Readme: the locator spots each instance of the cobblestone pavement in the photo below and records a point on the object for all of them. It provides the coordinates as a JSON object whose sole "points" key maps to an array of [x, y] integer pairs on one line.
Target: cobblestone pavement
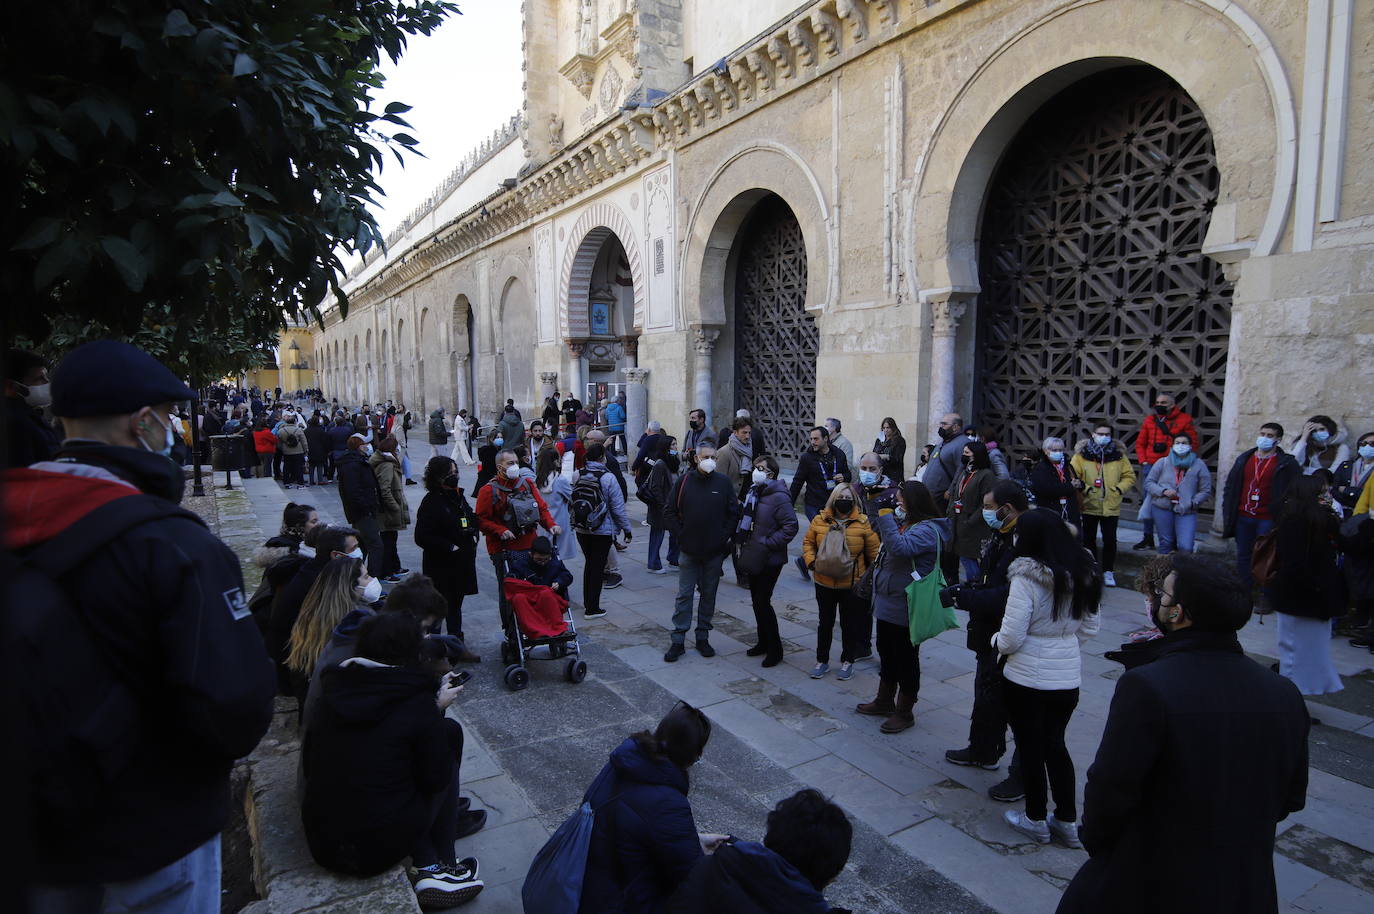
{"points": [[927, 836]]}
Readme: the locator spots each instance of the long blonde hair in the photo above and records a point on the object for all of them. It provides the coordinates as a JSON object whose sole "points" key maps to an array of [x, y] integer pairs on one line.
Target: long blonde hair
{"points": [[331, 597]]}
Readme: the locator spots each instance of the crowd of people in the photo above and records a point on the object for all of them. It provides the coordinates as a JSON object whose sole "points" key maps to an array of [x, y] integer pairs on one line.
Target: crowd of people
{"points": [[374, 652]]}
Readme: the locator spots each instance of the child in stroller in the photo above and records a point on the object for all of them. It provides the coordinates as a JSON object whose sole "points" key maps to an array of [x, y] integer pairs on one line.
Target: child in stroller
{"points": [[534, 591]]}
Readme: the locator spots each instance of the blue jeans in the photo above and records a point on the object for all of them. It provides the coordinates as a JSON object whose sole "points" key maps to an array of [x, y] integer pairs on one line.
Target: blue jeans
{"points": [[1176, 531], [697, 573], [186, 886], [656, 543], [1249, 529], [970, 567]]}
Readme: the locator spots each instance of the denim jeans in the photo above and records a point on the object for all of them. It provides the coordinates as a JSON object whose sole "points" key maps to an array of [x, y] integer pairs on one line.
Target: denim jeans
{"points": [[656, 543], [186, 886], [697, 573], [970, 568], [1175, 531], [1249, 529]]}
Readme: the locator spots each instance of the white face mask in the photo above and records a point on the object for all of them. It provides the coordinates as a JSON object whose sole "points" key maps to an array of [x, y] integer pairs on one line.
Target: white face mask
{"points": [[512, 471], [39, 396], [760, 476], [707, 465], [372, 592], [357, 553]]}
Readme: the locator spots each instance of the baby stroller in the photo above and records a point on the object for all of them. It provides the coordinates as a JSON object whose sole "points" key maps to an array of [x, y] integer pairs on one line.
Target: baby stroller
{"points": [[525, 632]]}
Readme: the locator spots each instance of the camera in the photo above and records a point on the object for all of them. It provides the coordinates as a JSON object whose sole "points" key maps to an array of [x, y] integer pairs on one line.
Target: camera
{"points": [[949, 597]]}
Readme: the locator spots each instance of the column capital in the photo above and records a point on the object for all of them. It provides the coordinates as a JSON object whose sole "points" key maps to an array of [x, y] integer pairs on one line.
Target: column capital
{"points": [[576, 347], [462, 357], [948, 305], [705, 337], [630, 344], [548, 377], [636, 375]]}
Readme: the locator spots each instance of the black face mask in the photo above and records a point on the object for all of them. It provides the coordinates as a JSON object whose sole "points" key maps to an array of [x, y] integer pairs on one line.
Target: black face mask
{"points": [[843, 506], [946, 434], [1161, 410], [694, 423], [451, 482]]}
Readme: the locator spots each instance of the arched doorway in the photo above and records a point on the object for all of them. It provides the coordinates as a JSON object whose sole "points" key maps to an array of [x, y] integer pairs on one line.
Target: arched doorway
{"points": [[775, 338], [515, 346], [1095, 292], [601, 319]]}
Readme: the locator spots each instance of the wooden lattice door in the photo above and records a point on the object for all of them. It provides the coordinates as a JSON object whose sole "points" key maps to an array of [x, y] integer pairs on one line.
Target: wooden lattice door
{"points": [[1095, 292], [776, 339]]}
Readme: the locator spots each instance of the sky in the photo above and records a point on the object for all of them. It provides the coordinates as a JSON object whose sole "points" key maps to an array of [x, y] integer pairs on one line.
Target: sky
{"points": [[463, 82]]}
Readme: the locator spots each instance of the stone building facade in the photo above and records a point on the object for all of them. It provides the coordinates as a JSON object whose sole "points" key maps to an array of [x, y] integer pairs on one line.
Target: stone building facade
{"points": [[1036, 212]]}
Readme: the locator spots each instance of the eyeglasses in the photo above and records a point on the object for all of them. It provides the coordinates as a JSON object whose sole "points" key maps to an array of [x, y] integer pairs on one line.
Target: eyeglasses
{"points": [[1162, 593]]}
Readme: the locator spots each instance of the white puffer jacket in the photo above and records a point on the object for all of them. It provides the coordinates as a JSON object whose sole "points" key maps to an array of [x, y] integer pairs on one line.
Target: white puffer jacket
{"points": [[1042, 652]]}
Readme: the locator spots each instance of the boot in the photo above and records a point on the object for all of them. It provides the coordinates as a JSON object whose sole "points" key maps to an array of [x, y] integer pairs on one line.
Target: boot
{"points": [[882, 704], [902, 718], [1147, 543]]}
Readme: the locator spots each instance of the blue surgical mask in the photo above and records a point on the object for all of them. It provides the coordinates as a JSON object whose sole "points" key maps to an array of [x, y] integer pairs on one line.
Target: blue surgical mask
{"points": [[499, 441], [900, 513], [1102, 440], [868, 477], [1264, 442], [990, 517], [672, 453], [1367, 451], [166, 449], [1321, 436], [1182, 449], [1057, 456]]}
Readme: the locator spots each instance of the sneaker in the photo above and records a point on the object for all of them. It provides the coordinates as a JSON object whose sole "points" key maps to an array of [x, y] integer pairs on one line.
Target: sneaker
{"points": [[392, 579], [863, 657], [704, 648], [1037, 831], [1007, 791], [410, 482], [612, 582], [658, 571], [820, 670], [442, 886], [1108, 579], [644, 523], [593, 613], [801, 566], [675, 651], [1065, 832], [966, 758], [1147, 543], [402, 571], [846, 670]]}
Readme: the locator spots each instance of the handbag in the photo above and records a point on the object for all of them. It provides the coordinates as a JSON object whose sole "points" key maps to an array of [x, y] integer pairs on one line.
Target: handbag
{"points": [[1264, 559], [926, 616], [753, 556], [863, 588], [553, 884]]}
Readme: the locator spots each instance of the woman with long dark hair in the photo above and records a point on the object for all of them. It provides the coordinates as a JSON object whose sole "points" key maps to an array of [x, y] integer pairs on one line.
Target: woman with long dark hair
{"points": [[912, 536], [974, 479], [644, 841], [1308, 589], [1052, 604], [659, 486], [890, 447], [446, 532]]}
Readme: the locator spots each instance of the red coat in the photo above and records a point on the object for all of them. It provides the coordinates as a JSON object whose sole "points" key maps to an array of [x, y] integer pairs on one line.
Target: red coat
{"points": [[264, 442], [491, 518], [1157, 435]]}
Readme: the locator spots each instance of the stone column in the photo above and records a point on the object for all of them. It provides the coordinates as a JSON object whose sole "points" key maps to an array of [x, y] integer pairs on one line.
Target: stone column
{"points": [[705, 341], [636, 403], [548, 383], [575, 372], [463, 384], [947, 307]]}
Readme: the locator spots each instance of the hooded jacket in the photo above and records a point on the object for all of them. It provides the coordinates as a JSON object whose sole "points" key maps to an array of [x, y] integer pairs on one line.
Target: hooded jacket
{"points": [[1042, 652], [644, 840], [391, 487], [1107, 476], [376, 754], [165, 606], [745, 877], [1330, 457], [358, 488]]}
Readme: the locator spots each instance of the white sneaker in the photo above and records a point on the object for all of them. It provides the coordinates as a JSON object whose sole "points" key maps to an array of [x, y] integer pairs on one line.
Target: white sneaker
{"points": [[446, 886], [1065, 832], [1037, 831], [658, 571], [1108, 579], [820, 670]]}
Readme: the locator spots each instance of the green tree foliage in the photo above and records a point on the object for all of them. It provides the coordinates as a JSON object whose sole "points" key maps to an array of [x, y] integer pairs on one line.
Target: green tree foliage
{"points": [[189, 170]]}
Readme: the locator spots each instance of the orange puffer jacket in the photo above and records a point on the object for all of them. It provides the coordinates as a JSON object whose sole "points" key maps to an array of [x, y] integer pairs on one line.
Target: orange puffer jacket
{"points": [[859, 536]]}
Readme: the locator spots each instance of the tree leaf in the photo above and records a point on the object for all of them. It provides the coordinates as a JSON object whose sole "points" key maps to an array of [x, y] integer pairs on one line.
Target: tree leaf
{"points": [[177, 25], [225, 198], [132, 266], [397, 108], [40, 233], [244, 65]]}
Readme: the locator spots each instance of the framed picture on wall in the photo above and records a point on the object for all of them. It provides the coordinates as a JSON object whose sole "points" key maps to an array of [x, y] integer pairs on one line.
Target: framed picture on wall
{"points": [[601, 318]]}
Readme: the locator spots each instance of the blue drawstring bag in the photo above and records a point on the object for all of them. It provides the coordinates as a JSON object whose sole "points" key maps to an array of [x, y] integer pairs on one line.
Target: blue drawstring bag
{"points": [[554, 883]]}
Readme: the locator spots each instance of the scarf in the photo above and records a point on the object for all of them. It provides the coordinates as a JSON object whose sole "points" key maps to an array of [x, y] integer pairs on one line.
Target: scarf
{"points": [[1100, 453], [1182, 462], [746, 451]]}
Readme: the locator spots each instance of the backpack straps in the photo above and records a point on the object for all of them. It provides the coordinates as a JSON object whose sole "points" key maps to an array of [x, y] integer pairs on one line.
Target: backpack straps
{"points": [[97, 529]]}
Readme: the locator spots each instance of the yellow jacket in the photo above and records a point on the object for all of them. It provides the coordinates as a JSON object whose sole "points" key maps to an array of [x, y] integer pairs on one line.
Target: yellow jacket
{"points": [[1366, 502], [1117, 477], [861, 539]]}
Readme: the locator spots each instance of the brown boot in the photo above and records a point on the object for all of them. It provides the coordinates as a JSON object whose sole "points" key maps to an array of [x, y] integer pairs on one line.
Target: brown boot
{"points": [[902, 718], [882, 704]]}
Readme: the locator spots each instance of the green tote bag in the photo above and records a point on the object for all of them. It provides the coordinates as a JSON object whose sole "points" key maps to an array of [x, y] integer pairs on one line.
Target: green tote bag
{"points": [[925, 615]]}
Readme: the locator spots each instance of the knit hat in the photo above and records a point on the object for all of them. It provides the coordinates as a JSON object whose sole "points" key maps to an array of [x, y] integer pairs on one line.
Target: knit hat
{"points": [[111, 378]]}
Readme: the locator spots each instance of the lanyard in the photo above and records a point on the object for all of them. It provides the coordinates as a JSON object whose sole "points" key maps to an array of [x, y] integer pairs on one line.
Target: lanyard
{"points": [[1258, 482]]}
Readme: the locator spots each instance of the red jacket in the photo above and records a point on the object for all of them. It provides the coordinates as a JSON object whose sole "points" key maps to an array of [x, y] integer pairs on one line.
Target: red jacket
{"points": [[491, 518], [1157, 435], [264, 442]]}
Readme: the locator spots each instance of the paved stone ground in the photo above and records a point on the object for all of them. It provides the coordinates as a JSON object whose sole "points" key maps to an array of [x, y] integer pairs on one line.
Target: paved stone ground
{"points": [[927, 836]]}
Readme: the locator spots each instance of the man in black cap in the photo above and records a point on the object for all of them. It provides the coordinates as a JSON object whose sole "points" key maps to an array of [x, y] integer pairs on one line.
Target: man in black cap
{"points": [[177, 681], [28, 439]]}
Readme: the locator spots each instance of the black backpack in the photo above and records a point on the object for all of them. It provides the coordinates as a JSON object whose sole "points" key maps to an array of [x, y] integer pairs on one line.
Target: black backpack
{"points": [[81, 724], [438, 432], [588, 504], [289, 437]]}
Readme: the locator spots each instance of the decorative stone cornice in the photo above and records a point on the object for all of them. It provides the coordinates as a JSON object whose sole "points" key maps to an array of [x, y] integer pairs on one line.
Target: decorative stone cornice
{"points": [[581, 72]]}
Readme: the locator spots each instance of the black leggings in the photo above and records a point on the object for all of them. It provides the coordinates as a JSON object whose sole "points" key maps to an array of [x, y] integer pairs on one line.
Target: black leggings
{"points": [[391, 559], [1108, 524], [1038, 720], [853, 623], [595, 547], [900, 660], [765, 619]]}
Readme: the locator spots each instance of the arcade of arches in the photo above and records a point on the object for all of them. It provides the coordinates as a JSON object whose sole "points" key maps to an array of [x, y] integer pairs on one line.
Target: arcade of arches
{"points": [[854, 218]]}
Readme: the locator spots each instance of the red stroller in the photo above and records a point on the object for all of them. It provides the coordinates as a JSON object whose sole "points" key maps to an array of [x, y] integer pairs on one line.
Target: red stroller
{"points": [[531, 619]]}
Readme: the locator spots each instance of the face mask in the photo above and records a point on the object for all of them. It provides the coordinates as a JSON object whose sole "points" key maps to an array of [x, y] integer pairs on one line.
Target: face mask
{"points": [[451, 482], [759, 476], [868, 477], [899, 512], [843, 506], [1102, 440], [1056, 456], [1264, 443], [1367, 451], [707, 465], [1161, 410], [357, 553], [307, 551], [166, 449], [498, 442], [694, 423], [38, 395], [512, 471], [1321, 436], [1182, 449], [372, 592], [991, 519], [673, 453], [968, 461]]}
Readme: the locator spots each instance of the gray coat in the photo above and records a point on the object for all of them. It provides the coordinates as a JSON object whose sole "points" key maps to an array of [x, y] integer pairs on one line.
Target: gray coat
{"points": [[1193, 491], [944, 463], [904, 551]]}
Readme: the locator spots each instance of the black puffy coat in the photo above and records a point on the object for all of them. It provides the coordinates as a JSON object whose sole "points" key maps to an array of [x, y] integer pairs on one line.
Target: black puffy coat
{"points": [[1204, 753], [985, 600], [1048, 489], [358, 487], [444, 520], [744, 877], [1308, 581], [775, 520]]}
